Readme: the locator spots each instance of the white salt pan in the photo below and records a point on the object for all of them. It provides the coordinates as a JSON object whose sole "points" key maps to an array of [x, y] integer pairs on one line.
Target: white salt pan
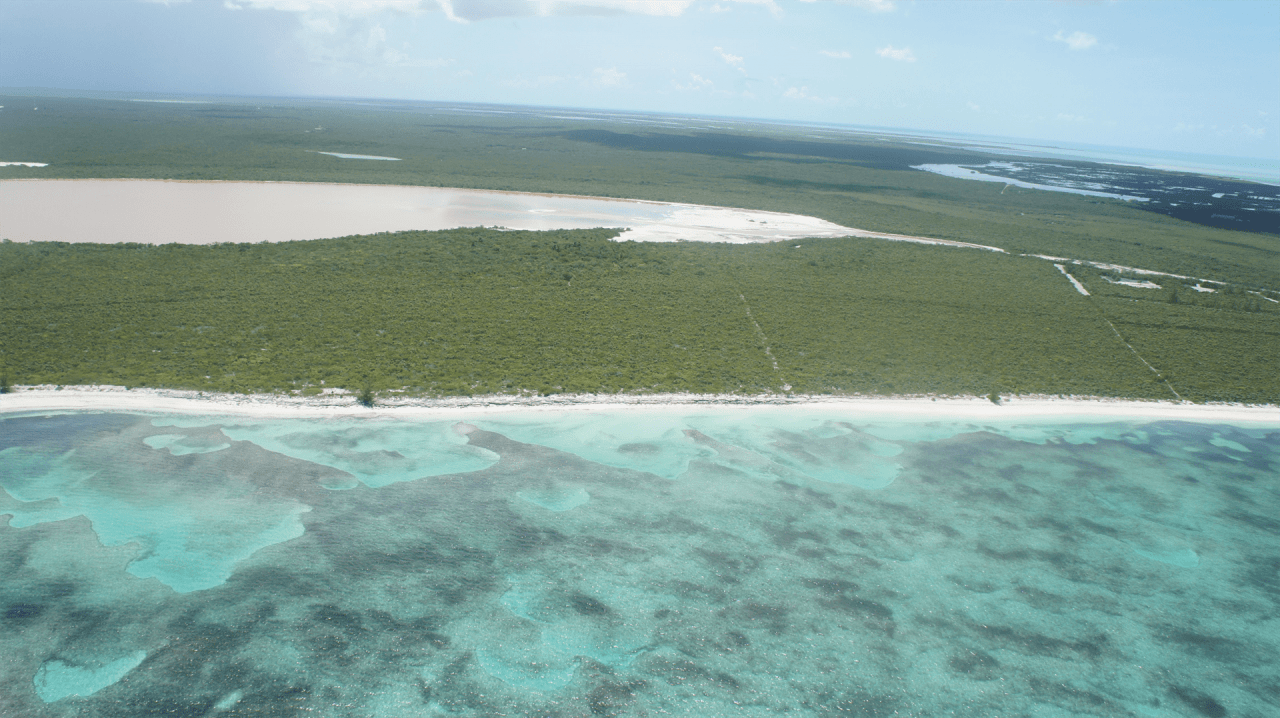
{"points": [[346, 156], [162, 212], [1144, 284]]}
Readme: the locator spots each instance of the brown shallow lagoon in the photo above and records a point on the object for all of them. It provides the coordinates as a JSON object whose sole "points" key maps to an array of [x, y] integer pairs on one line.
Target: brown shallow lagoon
{"points": [[163, 212]]}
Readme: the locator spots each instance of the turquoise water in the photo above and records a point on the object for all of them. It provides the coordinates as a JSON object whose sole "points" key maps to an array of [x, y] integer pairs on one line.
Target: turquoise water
{"points": [[736, 561]]}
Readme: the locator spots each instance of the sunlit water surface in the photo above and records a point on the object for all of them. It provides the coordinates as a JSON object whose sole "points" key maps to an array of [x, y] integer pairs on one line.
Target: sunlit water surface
{"points": [[731, 562]]}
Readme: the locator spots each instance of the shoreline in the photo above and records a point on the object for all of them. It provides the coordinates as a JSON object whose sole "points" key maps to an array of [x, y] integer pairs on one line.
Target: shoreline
{"points": [[49, 399]]}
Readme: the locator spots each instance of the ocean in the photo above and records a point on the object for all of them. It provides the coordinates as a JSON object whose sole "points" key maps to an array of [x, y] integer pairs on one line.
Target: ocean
{"points": [[708, 561]]}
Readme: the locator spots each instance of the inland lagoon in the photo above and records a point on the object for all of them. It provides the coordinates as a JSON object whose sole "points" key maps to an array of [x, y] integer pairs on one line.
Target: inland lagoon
{"points": [[665, 560], [164, 212]]}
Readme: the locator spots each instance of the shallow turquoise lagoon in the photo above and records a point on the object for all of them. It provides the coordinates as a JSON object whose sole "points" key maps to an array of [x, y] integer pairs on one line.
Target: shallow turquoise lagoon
{"points": [[737, 561]]}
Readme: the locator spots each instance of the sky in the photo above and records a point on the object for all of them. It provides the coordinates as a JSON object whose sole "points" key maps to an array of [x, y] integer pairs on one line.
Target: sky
{"points": [[1198, 77]]}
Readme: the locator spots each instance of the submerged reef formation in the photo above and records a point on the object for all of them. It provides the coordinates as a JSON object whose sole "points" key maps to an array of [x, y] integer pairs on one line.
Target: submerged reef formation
{"points": [[747, 562]]}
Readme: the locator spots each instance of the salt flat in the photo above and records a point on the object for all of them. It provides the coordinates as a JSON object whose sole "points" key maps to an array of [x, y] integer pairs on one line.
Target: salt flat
{"points": [[163, 212]]}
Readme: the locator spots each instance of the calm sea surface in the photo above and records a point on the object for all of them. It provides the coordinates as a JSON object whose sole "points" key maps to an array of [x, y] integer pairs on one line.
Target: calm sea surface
{"points": [[737, 561]]}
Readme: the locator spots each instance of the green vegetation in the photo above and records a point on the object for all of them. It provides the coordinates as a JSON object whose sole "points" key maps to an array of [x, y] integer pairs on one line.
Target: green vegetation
{"points": [[482, 311], [862, 181], [478, 311]]}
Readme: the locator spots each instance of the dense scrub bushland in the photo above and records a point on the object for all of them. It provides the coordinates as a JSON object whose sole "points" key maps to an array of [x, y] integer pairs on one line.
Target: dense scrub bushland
{"points": [[860, 181], [477, 311]]}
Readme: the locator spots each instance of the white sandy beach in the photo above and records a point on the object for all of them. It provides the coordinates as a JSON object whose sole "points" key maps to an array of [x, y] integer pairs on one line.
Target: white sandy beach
{"points": [[25, 400]]}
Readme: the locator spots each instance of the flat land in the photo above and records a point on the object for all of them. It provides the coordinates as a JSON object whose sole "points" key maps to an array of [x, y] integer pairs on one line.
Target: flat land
{"points": [[474, 311], [164, 212]]}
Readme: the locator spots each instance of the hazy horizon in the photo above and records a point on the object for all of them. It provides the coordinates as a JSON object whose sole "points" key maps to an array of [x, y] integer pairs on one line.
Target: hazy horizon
{"points": [[1191, 77]]}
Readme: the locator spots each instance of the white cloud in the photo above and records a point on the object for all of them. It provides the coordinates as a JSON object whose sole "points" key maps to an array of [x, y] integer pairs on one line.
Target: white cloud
{"points": [[471, 10], [974, 106], [696, 82], [900, 54], [1077, 40], [666, 8], [1255, 131], [166, 2], [340, 7], [837, 54], [605, 77], [356, 42], [733, 60], [802, 93], [770, 5], [872, 5], [1066, 117]]}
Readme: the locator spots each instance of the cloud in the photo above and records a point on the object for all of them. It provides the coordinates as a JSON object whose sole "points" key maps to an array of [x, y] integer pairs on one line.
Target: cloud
{"points": [[872, 5], [974, 106], [734, 61], [900, 54], [1077, 40], [802, 93], [696, 82], [474, 10], [1066, 117], [356, 42], [340, 7], [837, 54], [770, 5], [602, 78], [166, 2]]}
